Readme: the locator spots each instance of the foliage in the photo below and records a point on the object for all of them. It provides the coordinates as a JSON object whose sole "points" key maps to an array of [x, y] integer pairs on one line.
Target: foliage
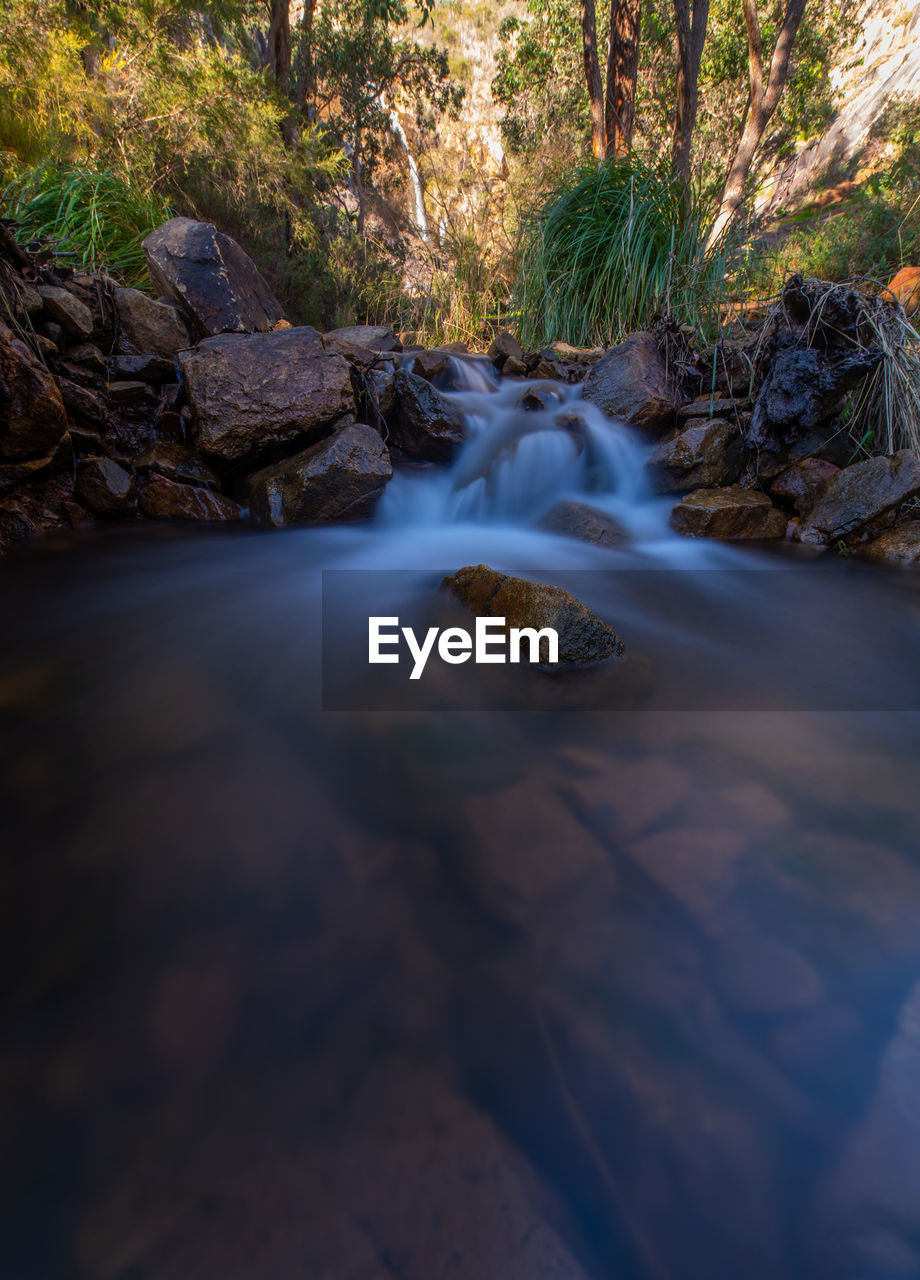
{"points": [[98, 216], [541, 79], [872, 233], [361, 62], [611, 247]]}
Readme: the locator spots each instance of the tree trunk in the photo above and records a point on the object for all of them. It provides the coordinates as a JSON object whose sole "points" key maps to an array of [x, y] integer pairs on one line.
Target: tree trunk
{"points": [[279, 43], [593, 79], [691, 37], [306, 86], [622, 72], [762, 102]]}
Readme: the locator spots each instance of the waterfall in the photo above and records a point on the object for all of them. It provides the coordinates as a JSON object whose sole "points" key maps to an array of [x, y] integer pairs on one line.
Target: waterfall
{"points": [[419, 216]]}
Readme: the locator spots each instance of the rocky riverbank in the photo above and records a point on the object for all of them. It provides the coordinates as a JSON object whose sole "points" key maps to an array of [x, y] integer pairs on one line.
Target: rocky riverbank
{"points": [[205, 404]]}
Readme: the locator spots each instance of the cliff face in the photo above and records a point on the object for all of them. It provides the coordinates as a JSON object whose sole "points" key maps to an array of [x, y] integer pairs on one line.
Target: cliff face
{"points": [[881, 67]]}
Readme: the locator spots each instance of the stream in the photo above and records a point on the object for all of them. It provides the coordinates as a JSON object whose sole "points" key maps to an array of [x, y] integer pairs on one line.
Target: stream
{"points": [[313, 975]]}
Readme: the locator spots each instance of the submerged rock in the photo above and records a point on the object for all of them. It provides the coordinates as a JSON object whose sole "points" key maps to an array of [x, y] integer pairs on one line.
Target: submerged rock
{"points": [[631, 382], [704, 455], [249, 392], [900, 546], [860, 494], [32, 416], [587, 524], [424, 426], [584, 638], [216, 284], [340, 478], [147, 328], [731, 513]]}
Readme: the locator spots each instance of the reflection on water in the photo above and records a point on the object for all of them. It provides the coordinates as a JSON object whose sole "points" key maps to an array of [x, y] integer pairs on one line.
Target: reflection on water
{"points": [[469, 995]]}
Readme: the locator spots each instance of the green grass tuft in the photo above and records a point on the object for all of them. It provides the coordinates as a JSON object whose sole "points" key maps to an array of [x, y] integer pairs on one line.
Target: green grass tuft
{"points": [[99, 216], [610, 248]]}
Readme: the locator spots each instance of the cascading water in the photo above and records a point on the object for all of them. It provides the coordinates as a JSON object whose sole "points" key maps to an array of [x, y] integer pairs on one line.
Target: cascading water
{"points": [[530, 445]]}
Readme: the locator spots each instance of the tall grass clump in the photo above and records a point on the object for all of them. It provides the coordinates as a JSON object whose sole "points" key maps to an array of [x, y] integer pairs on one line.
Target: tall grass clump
{"points": [[97, 216], [610, 247]]}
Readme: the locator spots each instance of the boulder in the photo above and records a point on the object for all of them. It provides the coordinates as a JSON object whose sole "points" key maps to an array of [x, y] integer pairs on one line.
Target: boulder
{"points": [[215, 283], [105, 488], [801, 482], [584, 638], [86, 353], [148, 367], [505, 347], [430, 364], [704, 455], [163, 499], [340, 478], [900, 546], [32, 416], [424, 426], [81, 401], [631, 382], [731, 513], [29, 299], [177, 462], [587, 524], [126, 392], [708, 407], [250, 392], [68, 311], [147, 327], [860, 494], [375, 337], [804, 389], [905, 286]]}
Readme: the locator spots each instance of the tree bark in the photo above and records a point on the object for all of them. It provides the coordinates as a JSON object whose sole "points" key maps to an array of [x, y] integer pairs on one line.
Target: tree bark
{"points": [[593, 79], [691, 37], [279, 43], [622, 72], [306, 87], [762, 102]]}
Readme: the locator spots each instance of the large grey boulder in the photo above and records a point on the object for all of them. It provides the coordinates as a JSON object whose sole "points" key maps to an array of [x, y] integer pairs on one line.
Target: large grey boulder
{"points": [[340, 478], [217, 285], [147, 328], [425, 426], [857, 495], [251, 392], [631, 382]]}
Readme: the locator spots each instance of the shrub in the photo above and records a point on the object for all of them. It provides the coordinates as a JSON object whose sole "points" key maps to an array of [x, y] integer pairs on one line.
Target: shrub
{"points": [[98, 216], [609, 248]]}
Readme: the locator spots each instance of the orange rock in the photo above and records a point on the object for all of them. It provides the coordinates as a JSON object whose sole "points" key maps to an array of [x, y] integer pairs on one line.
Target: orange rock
{"points": [[906, 288]]}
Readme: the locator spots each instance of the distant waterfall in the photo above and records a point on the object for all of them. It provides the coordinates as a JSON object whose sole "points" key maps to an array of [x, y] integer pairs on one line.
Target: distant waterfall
{"points": [[419, 215]]}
